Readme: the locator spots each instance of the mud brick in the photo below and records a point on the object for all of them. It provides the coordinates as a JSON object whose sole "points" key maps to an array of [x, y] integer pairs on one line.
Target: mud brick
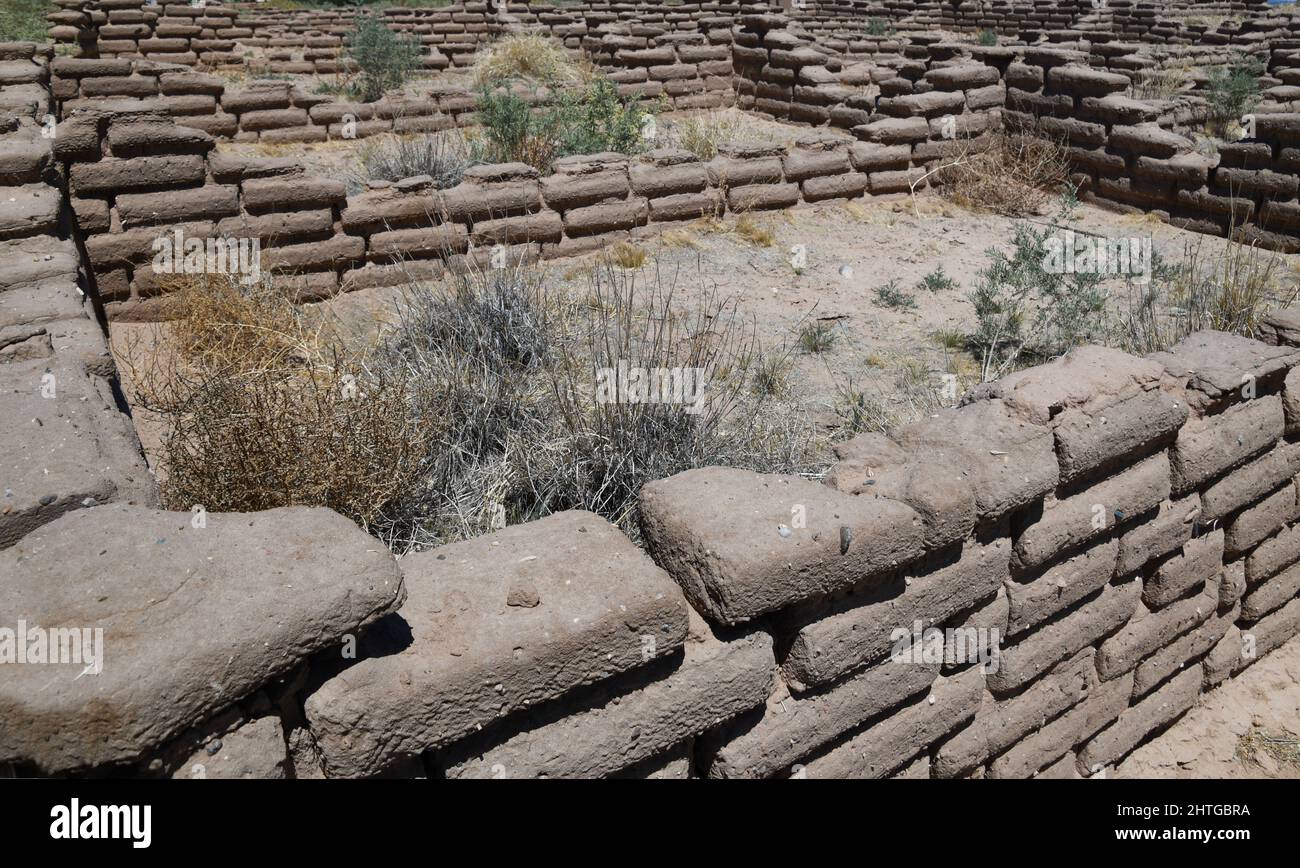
{"points": [[398, 244], [139, 86], [1043, 648], [402, 273], [888, 744], [1137, 722], [145, 138], [540, 227], [1074, 132], [273, 119], [255, 100], [1009, 463], [92, 215], [318, 256], [869, 157], [801, 164], [1036, 597], [655, 181], [1206, 448], [1232, 584], [1166, 530], [991, 97], [894, 131], [1085, 81], [947, 505], [186, 83], [1190, 170], [1250, 482], [962, 76], [1262, 182], [836, 637], [285, 227], [626, 724], [924, 105], [1149, 631], [612, 216], [791, 728], [87, 67], [1069, 522], [1220, 369], [1118, 109], [896, 182], [296, 193], [1103, 405], [220, 125], [1224, 657], [1000, 724], [753, 568], [1270, 594], [126, 248], [1291, 400], [112, 175], [762, 197], [563, 191], [730, 172], [212, 201], [1268, 633], [1054, 740], [988, 623], [1256, 523], [1097, 160], [227, 168], [472, 201], [1239, 208], [847, 186], [1200, 560], [918, 769], [1036, 105], [1024, 77], [1151, 141], [1176, 655], [1274, 553], [470, 659], [686, 206]]}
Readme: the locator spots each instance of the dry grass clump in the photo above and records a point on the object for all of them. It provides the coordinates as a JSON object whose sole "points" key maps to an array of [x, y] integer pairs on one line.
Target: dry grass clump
{"points": [[760, 233], [702, 133], [1014, 177], [531, 57], [263, 407], [625, 254], [1163, 82], [492, 400], [1218, 284], [443, 156]]}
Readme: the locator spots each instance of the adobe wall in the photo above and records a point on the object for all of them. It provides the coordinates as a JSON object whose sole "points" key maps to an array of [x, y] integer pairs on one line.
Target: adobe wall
{"points": [[1107, 537]]}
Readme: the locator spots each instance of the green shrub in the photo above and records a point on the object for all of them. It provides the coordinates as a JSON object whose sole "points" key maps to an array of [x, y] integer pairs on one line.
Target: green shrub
{"points": [[879, 27], [387, 58], [936, 281], [23, 20], [988, 37], [1023, 311], [1234, 90], [892, 295], [586, 121]]}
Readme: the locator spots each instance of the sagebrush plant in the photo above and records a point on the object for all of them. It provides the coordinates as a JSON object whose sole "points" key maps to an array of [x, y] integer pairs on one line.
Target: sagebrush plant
{"points": [[443, 156], [702, 133], [987, 37], [581, 120], [386, 58], [1024, 312], [1232, 91], [478, 407], [936, 281]]}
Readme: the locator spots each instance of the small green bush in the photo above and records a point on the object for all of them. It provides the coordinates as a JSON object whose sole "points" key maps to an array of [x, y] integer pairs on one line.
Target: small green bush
{"points": [[892, 295], [442, 156], [586, 121], [387, 59], [1234, 90]]}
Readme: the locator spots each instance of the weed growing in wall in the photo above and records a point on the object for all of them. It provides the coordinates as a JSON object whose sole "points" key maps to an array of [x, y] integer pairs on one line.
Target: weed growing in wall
{"points": [[387, 58]]}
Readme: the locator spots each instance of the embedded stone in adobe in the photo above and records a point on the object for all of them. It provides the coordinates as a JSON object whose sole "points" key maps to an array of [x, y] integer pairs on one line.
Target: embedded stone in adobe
{"points": [[193, 619], [742, 544], [604, 608]]}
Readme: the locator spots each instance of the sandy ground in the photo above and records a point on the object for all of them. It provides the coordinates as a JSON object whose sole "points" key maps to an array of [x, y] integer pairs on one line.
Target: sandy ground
{"points": [[1261, 703]]}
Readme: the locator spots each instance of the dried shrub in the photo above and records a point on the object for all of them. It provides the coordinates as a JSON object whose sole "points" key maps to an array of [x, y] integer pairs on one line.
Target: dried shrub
{"points": [[531, 57], [1014, 177], [262, 407]]}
